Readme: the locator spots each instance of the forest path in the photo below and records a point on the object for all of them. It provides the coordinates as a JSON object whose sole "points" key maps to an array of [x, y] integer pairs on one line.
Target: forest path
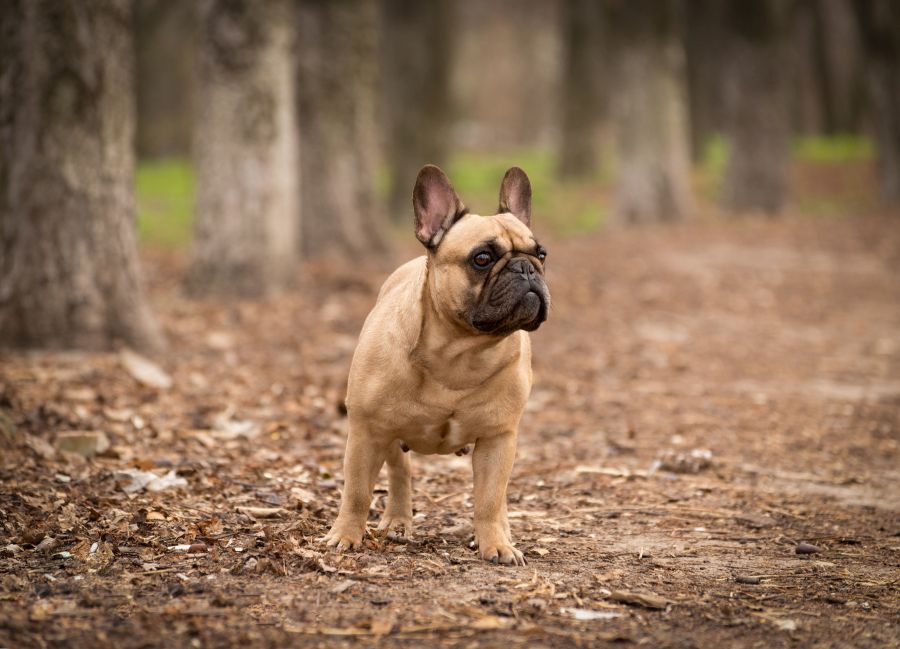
{"points": [[708, 397]]}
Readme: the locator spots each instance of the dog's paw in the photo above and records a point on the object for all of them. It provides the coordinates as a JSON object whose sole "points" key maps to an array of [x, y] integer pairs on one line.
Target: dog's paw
{"points": [[503, 553], [343, 537], [399, 524]]}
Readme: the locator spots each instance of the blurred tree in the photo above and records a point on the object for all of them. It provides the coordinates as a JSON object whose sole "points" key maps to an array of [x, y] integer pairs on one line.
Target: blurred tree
{"points": [[824, 59], [337, 95], [649, 111], [165, 52], [839, 65], [584, 79], [704, 38], [416, 52], [757, 125], [506, 74], [69, 273], [879, 23], [245, 149]]}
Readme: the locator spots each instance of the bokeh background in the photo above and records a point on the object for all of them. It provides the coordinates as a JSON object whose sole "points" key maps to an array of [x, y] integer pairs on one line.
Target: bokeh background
{"points": [[251, 136], [200, 199]]}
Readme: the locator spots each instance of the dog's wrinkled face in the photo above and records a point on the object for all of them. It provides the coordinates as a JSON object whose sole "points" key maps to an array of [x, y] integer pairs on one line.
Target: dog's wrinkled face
{"points": [[486, 273]]}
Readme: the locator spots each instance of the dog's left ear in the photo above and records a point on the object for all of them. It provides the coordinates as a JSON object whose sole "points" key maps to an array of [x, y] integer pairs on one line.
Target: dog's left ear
{"points": [[515, 195]]}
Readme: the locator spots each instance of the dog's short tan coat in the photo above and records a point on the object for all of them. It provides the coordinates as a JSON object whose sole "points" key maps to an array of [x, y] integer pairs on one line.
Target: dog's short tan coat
{"points": [[423, 378]]}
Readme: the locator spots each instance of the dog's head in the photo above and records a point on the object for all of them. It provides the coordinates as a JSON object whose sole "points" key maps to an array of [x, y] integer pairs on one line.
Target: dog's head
{"points": [[485, 273]]}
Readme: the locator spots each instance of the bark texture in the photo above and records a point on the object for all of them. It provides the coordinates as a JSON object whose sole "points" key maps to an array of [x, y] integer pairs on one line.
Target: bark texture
{"points": [[165, 34], [704, 39], [245, 149], [879, 22], [69, 275], [757, 125], [649, 111], [416, 54], [584, 76], [337, 93], [825, 58]]}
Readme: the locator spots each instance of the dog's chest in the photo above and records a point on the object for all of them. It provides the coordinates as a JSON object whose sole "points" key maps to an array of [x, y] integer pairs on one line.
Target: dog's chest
{"points": [[446, 437]]}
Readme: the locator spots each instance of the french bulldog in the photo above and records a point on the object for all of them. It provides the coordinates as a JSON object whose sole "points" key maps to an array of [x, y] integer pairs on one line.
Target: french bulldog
{"points": [[444, 361]]}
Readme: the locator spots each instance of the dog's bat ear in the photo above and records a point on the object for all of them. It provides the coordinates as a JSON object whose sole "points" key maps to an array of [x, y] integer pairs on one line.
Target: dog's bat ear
{"points": [[515, 195], [436, 205]]}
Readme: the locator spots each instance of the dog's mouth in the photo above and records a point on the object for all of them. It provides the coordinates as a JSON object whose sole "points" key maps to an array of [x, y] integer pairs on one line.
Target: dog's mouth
{"points": [[535, 301], [528, 313]]}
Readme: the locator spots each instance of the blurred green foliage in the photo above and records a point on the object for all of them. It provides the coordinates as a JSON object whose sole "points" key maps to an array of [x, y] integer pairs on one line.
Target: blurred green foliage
{"points": [[165, 188], [564, 208], [812, 153], [833, 149], [165, 203]]}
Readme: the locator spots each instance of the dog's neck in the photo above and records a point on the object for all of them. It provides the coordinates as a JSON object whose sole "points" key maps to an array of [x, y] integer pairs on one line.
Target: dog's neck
{"points": [[455, 356]]}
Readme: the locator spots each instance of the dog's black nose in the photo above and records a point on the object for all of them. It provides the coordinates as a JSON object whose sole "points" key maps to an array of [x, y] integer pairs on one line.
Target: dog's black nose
{"points": [[522, 266]]}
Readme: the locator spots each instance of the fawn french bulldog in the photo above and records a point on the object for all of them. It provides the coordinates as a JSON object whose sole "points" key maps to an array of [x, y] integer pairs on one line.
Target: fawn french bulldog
{"points": [[444, 361]]}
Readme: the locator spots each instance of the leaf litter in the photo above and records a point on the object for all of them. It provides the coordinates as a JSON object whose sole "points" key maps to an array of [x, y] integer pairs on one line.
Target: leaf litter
{"points": [[244, 436]]}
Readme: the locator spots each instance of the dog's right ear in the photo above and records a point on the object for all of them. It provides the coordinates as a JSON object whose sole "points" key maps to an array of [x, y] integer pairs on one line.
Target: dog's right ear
{"points": [[436, 206]]}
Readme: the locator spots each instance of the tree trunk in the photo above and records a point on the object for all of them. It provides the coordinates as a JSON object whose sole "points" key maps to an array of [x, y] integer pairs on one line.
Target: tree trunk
{"points": [[649, 111], [702, 36], [165, 31], [584, 76], [337, 80], [757, 124], [879, 22], [824, 53], [416, 53], [245, 149], [69, 275]]}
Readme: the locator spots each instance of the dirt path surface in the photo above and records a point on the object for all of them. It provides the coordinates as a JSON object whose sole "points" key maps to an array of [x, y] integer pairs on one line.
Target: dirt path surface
{"points": [[708, 398]]}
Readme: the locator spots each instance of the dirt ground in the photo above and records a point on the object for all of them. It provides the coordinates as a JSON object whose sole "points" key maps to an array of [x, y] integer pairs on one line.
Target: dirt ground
{"points": [[708, 398]]}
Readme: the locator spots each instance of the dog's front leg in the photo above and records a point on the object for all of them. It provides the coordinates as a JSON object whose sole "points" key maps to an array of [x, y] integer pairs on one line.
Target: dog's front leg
{"points": [[362, 462], [492, 462]]}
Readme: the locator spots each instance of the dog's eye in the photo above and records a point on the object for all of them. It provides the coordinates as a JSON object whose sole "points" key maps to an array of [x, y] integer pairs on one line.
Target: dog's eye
{"points": [[482, 259], [541, 254]]}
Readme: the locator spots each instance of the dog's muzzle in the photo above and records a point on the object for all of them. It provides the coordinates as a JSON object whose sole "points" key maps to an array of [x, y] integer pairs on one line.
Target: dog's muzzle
{"points": [[519, 299]]}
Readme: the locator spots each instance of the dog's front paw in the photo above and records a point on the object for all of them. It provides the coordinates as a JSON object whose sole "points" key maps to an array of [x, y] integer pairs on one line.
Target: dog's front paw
{"points": [[344, 536], [494, 545], [400, 524], [503, 553]]}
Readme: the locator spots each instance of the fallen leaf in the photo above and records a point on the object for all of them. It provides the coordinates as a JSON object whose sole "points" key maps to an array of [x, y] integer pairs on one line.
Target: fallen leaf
{"points": [[79, 394], [648, 600], [489, 622], [806, 548], [144, 371], [383, 625], [263, 512], [344, 586], [586, 614], [134, 480], [84, 443], [120, 415], [692, 462], [40, 446]]}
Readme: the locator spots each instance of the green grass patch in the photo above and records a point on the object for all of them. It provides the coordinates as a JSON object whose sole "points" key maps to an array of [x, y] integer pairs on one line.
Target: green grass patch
{"points": [[165, 203], [833, 149], [561, 207]]}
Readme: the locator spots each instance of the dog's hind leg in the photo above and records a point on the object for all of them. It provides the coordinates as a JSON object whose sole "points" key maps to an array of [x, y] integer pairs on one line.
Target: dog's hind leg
{"points": [[398, 511]]}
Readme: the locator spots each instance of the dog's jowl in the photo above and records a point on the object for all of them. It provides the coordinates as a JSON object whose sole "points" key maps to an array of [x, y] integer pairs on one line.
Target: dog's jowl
{"points": [[444, 360]]}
